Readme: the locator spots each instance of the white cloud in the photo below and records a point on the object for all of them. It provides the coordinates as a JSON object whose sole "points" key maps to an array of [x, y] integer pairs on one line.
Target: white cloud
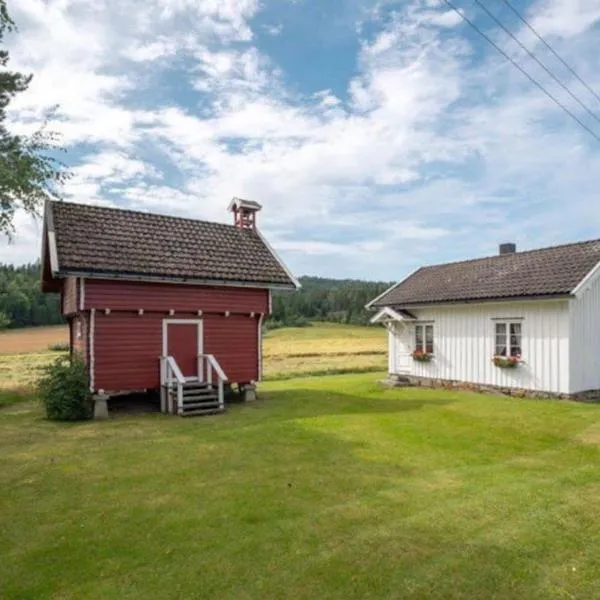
{"points": [[438, 150], [150, 51], [565, 18], [274, 30]]}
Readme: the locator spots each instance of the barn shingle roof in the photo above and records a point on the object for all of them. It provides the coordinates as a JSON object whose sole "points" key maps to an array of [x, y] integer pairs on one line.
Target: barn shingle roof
{"points": [[100, 240], [547, 272]]}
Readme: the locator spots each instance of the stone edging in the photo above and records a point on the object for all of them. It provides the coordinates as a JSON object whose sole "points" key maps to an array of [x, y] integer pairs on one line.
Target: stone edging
{"points": [[395, 380]]}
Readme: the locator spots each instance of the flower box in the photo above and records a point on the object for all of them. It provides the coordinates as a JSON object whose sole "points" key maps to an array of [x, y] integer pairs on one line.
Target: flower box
{"points": [[507, 362], [420, 356]]}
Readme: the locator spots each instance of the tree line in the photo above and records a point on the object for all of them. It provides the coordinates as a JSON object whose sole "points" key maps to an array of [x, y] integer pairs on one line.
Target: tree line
{"points": [[22, 303], [321, 299]]}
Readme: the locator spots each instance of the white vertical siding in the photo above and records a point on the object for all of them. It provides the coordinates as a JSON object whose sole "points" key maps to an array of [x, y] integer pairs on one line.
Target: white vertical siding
{"points": [[391, 349], [464, 344], [585, 338]]}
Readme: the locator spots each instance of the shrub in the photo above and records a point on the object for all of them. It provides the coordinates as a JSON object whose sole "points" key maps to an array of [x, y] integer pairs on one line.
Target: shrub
{"points": [[292, 321], [271, 324], [60, 347], [64, 391], [298, 321]]}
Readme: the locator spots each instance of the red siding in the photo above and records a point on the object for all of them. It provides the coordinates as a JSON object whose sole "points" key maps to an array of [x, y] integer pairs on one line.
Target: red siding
{"points": [[234, 342], [127, 347], [69, 295], [126, 351], [128, 295]]}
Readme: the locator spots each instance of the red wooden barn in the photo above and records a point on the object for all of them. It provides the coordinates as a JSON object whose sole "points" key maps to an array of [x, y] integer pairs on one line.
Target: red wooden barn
{"points": [[155, 301]]}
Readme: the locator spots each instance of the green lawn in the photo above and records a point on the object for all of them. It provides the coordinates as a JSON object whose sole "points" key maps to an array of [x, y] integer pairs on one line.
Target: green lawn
{"points": [[324, 488]]}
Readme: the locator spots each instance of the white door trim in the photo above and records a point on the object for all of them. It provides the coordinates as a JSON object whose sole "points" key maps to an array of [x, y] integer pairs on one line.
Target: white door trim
{"points": [[167, 322]]}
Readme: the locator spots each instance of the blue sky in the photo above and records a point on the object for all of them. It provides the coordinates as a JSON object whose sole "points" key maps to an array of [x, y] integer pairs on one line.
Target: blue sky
{"points": [[378, 135]]}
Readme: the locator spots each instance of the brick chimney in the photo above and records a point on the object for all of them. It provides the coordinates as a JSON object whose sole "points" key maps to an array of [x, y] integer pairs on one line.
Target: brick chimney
{"points": [[244, 212], [508, 248]]}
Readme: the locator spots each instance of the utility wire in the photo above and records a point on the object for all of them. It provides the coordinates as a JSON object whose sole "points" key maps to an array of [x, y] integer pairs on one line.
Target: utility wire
{"points": [[556, 54], [537, 60], [519, 68]]}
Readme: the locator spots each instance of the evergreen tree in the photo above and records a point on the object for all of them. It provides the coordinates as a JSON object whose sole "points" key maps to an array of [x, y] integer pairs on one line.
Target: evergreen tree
{"points": [[21, 300]]}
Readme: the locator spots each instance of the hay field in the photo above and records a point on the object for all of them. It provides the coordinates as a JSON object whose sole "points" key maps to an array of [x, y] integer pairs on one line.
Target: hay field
{"points": [[33, 339], [324, 348]]}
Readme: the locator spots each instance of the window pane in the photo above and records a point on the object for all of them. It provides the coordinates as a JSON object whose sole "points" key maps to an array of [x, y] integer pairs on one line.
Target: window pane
{"points": [[515, 339], [501, 345], [419, 337], [429, 339]]}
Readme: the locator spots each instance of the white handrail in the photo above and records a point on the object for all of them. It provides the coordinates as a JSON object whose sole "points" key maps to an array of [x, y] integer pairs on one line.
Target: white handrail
{"points": [[169, 369], [170, 374], [176, 370], [212, 364]]}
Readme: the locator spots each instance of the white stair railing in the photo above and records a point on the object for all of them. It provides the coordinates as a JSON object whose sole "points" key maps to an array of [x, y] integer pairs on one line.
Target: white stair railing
{"points": [[170, 374], [210, 368]]}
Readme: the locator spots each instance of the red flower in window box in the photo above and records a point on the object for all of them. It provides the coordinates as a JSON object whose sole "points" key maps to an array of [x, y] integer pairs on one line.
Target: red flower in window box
{"points": [[421, 356], [507, 362]]}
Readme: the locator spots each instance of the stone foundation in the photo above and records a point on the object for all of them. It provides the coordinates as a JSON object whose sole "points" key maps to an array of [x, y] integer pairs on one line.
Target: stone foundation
{"points": [[248, 392], [100, 406], [396, 380]]}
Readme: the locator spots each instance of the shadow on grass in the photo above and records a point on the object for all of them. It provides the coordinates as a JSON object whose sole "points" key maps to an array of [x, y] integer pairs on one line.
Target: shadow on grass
{"points": [[134, 404], [307, 403]]}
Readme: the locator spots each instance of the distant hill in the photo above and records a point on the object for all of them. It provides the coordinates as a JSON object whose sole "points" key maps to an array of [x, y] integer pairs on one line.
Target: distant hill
{"points": [[338, 300], [335, 300]]}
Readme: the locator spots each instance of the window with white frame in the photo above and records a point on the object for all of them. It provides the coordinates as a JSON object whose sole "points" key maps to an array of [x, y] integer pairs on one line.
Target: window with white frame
{"points": [[508, 338], [78, 334], [424, 338]]}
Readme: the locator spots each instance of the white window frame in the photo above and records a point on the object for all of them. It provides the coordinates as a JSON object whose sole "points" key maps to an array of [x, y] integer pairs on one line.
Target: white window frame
{"points": [[425, 327], [508, 323]]}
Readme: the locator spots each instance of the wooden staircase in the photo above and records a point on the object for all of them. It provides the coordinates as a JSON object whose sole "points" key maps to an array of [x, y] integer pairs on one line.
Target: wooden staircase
{"points": [[190, 396], [199, 398]]}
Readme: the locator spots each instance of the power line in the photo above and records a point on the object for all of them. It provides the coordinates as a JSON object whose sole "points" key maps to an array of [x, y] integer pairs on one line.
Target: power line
{"points": [[537, 60], [556, 54], [518, 67]]}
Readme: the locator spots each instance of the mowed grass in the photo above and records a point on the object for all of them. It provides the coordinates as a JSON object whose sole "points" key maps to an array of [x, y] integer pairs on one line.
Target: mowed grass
{"points": [[324, 488], [320, 349]]}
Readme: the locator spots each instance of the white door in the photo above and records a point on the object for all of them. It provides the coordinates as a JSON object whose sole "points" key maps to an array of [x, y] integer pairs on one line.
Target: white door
{"points": [[403, 338]]}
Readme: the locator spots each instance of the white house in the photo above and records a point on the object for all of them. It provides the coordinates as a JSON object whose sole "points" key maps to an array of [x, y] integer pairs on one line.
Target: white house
{"points": [[527, 321]]}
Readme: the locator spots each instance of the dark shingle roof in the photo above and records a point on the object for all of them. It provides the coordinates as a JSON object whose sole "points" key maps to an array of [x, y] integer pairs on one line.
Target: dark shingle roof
{"points": [[545, 272], [100, 240]]}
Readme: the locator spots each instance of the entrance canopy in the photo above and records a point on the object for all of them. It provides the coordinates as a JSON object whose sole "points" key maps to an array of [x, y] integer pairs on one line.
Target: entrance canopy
{"points": [[387, 315]]}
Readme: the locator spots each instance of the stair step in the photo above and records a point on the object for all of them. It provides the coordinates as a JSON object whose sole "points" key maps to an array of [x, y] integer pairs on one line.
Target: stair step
{"points": [[195, 405], [190, 397], [209, 411], [188, 401]]}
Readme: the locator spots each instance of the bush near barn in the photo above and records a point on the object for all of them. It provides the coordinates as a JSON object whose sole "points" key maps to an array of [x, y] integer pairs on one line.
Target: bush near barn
{"points": [[63, 390]]}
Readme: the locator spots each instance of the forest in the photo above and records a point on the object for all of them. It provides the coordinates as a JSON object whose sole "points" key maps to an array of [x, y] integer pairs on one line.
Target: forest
{"points": [[22, 304]]}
